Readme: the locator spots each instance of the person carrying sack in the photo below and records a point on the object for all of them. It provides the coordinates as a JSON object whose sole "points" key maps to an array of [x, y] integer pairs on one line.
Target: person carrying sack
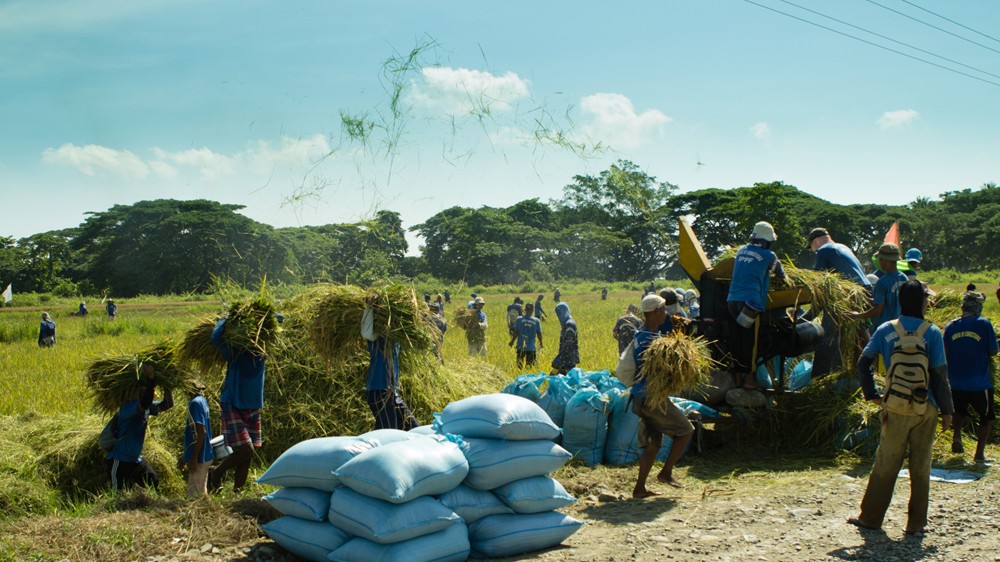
{"points": [[916, 378]]}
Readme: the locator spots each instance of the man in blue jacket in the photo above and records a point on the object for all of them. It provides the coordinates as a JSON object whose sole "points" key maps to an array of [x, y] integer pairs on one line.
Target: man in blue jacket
{"points": [[382, 383], [241, 399], [46, 331], [125, 462]]}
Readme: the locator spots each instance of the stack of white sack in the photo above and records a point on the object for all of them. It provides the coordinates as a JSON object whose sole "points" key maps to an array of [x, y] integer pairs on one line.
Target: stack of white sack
{"points": [[429, 494]]}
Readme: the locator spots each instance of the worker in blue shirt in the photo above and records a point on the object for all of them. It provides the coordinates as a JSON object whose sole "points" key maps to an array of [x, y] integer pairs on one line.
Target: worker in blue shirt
{"points": [[46, 331], [382, 382], [125, 462], [885, 294]]}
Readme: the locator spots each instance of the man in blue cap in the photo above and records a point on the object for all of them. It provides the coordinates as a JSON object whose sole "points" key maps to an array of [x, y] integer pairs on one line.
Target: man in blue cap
{"points": [[913, 257]]}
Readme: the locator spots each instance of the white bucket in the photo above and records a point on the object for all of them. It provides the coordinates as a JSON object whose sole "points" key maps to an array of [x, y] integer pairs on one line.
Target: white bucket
{"points": [[219, 447]]}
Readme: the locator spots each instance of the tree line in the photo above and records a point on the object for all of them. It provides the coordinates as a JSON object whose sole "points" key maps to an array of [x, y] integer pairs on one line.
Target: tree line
{"points": [[620, 225]]}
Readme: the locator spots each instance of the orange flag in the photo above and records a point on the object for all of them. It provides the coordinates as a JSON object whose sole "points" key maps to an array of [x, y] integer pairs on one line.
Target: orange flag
{"points": [[893, 234]]}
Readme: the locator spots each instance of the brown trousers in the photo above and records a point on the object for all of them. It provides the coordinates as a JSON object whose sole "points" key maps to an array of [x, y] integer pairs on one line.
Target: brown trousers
{"points": [[900, 432]]}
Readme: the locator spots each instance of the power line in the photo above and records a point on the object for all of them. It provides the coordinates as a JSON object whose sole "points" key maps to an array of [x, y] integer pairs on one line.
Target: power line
{"points": [[942, 30], [952, 21], [883, 47], [915, 48]]}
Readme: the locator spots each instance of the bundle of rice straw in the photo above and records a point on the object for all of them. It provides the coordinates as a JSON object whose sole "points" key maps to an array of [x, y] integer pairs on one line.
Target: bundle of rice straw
{"points": [[197, 349], [836, 296], [336, 312], [947, 298], [465, 318], [251, 325], [674, 363], [115, 379]]}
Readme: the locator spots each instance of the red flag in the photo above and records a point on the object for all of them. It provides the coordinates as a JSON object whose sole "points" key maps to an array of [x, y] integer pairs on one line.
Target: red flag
{"points": [[893, 234]]}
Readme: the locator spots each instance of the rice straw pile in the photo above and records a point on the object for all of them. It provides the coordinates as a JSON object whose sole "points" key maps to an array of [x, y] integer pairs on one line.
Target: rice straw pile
{"points": [[400, 317], [115, 379], [947, 298], [197, 349], [834, 295], [251, 326], [465, 318], [672, 364]]}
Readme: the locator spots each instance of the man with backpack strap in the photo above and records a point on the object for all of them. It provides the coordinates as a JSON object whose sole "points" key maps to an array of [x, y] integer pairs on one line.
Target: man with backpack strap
{"points": [[916, 379], [125, 463]]}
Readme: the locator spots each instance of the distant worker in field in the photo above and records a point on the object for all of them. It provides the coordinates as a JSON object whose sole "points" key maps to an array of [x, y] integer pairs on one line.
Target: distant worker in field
{"points": [[514, 311], [569, 342], [82, 310], [427, 299], [447, 296], [382, 384], [604, 293], [111, 308], [692, 304], [885, 293], [625, 327], [654, 421], [197, 455], [754, 265], [475, 335], [913, 257], [47, 331], [441, 326], [125, 462], [526, 329], [918, 386], [539, 313], [650, 289], [556, 295], [835, 258], [969, 342], [241, 400], [439, 300], [472, 302]]}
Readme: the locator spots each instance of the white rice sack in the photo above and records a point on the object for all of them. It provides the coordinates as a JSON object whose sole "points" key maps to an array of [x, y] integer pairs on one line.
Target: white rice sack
{"points": [[449, 545], [304, 503], [472, 505], [386, 436], [405, 470], [585, 428], [498, 536], [496, 416], [493, 463], [306, 539], [537, 494], [384, 522], [310, 464]]}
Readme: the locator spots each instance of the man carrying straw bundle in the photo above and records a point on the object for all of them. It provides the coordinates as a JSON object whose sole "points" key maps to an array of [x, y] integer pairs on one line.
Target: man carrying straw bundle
{"points": [[382, 383], [969, 342], [655, 422], [475, 333], [747, 299], [835, 258], [125, 463], [911, 424], [241, 399]]}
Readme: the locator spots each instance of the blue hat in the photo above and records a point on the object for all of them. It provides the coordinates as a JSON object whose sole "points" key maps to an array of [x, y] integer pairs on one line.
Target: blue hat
{"points": [[913, 254]]}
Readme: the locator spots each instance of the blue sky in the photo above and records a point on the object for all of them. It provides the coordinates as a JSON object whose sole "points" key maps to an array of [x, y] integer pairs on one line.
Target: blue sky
{"points": [[111, 102]]}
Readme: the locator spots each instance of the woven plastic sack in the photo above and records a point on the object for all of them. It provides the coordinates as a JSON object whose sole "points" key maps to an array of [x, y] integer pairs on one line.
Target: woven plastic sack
{"points": [[386, 436], [309, 540], [385, 522], [449, 545], [622, 445], [304, 503], [310, 464], [537, 494], [688, 406], [423, 430], [471, 504], [498, 536], [493, 463], [496, 416], [553, 401], [585, 428], [525, 386]]}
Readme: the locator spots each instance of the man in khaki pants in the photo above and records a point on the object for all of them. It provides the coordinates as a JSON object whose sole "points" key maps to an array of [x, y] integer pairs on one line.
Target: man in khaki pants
{"points": [[902, 431]]}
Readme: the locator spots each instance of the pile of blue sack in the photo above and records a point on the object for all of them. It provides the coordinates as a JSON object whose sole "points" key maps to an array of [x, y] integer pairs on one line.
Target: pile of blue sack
{"points": [[473, 483], [593, 410]]}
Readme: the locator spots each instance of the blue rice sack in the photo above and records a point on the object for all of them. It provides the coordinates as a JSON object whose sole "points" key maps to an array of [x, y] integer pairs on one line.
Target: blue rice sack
{"points": [[537, 494], [801, 375], [471, 504], [306, 539], [386, 436], [525, 386], [688, 406], [423, 430], [449, 545], [404, 470], [576, 379], [496, 416], [384, 522], [493, 463], [310, 463], [304, 503], [557, 394], [498, 536], [585, 428], [622, 446]]}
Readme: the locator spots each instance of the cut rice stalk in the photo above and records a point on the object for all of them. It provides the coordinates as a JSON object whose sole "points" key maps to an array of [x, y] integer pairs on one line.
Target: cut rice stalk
{"points": [[674, 363]]}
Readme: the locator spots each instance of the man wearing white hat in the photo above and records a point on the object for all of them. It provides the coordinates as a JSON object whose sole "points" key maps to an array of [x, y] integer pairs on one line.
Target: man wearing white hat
{"points": [[748, 297]]}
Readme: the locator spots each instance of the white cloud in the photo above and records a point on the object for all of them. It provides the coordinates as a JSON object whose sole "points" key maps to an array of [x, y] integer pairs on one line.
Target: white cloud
{"points": [[463, 90], [294, 152], [611, 119], [94, 160], [898, 118], [761, 130], [210, 164]]}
